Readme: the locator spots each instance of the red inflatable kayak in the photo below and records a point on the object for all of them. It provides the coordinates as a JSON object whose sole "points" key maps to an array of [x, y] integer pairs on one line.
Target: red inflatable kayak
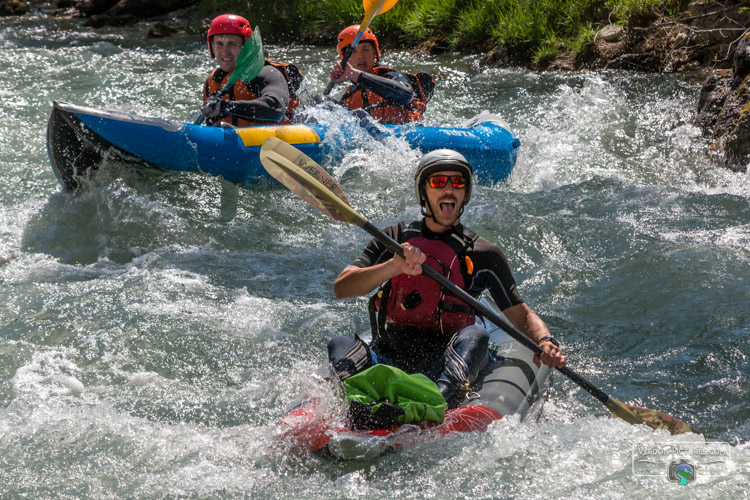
{"points": [[309, 432], [513, 386]]}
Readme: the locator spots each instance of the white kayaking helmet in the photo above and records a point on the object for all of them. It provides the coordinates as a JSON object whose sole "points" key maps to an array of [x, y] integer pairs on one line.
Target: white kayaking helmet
{"points": [[441, 160]]}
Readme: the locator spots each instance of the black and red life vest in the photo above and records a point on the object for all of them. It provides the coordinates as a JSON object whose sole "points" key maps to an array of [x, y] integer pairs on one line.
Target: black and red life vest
{"points": [[240, 91], [388, 112], [420, 302]]}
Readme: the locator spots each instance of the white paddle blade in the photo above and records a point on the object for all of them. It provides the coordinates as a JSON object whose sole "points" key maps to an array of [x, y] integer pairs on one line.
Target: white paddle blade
{"points": [[305, 178]]}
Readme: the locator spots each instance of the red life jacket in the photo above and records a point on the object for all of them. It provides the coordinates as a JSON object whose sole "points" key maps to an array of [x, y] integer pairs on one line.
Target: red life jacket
{"points": [[419, 301], [388, 112], [240, 91]]}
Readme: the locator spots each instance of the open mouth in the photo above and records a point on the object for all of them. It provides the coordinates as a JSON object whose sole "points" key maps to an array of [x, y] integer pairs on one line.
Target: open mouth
{"points": [[448, 208]]}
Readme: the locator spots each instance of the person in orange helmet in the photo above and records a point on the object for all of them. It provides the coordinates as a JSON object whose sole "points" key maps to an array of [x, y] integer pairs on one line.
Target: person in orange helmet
{"points": [[270, 98], [389, 96]]}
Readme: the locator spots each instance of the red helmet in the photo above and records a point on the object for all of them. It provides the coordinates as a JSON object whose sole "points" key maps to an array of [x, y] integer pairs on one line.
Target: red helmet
{"points": [[228, 24], [347, 36]]}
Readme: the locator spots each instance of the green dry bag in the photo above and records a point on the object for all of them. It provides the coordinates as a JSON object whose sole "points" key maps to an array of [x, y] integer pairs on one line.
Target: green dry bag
{"points": [[417, 395]]}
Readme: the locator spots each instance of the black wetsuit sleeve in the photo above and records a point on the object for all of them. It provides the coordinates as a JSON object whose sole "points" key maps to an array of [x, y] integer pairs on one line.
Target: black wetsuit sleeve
{"points": [[375, 252], [273, 98], [392, 86], [492, 272]]}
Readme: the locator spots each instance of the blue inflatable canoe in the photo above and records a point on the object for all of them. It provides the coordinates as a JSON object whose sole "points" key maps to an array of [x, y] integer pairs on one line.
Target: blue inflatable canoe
{"points": [[79, 139]]}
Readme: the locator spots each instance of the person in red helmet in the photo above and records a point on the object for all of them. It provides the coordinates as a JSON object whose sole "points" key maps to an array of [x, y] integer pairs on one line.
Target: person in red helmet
{"points": [[270, 98], [390, 96]]}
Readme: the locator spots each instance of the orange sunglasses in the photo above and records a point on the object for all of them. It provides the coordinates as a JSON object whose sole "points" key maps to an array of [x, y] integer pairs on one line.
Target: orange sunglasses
{"points": [[439, 181]]}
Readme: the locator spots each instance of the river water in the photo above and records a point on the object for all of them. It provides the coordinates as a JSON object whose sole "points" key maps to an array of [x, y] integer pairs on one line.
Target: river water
{"points": [[155, 326]]}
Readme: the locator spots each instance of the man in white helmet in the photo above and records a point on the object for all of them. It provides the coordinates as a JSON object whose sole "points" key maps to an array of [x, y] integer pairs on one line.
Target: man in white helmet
{"points": [[417, 327]]}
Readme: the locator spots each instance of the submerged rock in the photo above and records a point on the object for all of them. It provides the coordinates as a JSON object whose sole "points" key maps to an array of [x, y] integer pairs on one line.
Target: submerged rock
{"points": [[161, 30], [106, 19]]}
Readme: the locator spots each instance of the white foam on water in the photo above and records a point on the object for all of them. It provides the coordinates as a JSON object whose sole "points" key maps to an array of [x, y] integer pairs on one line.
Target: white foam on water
{"points": [[49, 373], [157, 325]]}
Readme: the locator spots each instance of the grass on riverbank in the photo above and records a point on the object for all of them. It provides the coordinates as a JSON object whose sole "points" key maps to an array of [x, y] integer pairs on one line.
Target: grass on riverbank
{"points": [[527, 30]]}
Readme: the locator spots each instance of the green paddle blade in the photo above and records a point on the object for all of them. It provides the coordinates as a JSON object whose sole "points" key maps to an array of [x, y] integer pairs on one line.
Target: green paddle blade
{"points": [[307, 179], [250, 60]]}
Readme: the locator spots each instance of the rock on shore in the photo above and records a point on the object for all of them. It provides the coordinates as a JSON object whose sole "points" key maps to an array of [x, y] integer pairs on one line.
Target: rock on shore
{"points": [[705, 34], [724, 110], [708, 35], [124, 12], [13, 8]]}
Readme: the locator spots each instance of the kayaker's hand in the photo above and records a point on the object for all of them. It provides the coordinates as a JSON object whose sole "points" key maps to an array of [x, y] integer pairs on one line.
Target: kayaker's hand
{"points": [[340, 74], [211, 108], [551, 356], [412, 262]]}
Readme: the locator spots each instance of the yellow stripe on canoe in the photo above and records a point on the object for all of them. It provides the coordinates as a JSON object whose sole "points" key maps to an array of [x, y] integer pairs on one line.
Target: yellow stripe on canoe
{"points": [[291, 134]]}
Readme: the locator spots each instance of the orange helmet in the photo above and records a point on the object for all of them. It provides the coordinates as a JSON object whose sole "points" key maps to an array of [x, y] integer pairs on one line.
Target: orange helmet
{"points": [[347, 36], [228, 24]]}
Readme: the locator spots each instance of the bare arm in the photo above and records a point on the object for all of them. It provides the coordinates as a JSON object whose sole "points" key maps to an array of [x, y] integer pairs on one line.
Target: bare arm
{"points": [[356, 281], [531, 325]]}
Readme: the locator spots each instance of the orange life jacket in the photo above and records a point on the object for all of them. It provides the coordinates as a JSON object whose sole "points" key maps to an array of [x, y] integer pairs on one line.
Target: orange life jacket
{"points": [[240, 91], [389, 112]]}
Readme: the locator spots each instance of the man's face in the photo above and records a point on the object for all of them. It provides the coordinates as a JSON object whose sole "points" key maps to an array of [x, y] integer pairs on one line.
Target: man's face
{"points": [[446, 201], [226, 48], [364, 56]]}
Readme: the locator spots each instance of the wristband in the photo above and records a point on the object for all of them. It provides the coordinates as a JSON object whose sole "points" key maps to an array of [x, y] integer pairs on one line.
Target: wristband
{"points": [[549, 338]]}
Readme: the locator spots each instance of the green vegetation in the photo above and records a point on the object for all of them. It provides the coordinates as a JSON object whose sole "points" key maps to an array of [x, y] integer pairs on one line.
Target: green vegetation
{"points": [[528, 30]]}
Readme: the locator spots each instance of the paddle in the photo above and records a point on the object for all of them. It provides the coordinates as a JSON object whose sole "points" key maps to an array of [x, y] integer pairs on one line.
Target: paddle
{"points": [[372, 9], [309, 181], [250, 61]]}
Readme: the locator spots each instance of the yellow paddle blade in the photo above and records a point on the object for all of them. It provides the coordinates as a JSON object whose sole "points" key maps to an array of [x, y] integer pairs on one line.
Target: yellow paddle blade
{"points": [[372, 9], [307, 179], [378, 6], [652, 418]]}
